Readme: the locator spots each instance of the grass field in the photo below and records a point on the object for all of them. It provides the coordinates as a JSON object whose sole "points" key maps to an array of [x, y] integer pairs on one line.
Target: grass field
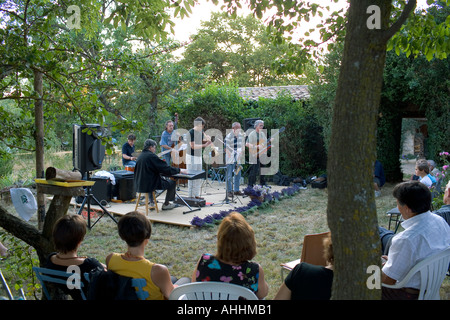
{"points": [[279, 230]]}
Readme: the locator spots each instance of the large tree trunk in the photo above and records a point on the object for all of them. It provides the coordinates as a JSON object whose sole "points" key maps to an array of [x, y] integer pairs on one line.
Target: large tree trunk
{"points": [[351, 211]]}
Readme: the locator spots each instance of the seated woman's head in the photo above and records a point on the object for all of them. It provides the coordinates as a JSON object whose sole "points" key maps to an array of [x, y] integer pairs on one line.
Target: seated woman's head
{"points": [[134, 228], [422, 167], [328, 250], [236, 241], [68, 233]]}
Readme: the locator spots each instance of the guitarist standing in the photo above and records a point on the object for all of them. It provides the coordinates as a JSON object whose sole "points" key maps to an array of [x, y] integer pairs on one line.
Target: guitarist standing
{"points": [[255, 143], [166, 142], [234, 142]]}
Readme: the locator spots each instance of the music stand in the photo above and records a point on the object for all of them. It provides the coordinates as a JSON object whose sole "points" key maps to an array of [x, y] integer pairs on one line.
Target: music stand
{"points": [[87, 198], [226, 200]]}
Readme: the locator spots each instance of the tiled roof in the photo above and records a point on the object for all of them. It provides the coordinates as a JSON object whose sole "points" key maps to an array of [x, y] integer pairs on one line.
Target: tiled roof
{"points": [[297, 92]]}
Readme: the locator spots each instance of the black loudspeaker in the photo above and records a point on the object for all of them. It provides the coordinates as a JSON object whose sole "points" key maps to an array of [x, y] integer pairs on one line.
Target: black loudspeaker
{"points": [[88, 151], [249, 123], [124, 188], [102, 189]]}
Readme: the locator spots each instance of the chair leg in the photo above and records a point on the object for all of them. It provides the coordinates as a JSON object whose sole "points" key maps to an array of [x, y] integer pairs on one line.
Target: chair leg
{"points": [[155, 206], [137, 202], [154, 201], [146, 204]]}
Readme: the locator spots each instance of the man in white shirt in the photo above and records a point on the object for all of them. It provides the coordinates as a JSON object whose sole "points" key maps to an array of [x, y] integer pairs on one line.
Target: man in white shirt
{"points": [[425, 234]]}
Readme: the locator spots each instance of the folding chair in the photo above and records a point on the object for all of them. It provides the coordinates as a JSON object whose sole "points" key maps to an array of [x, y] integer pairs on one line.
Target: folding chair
{"points": [[312, 252], [394, 216], [55, 276], [218, 173], [211, 290]]}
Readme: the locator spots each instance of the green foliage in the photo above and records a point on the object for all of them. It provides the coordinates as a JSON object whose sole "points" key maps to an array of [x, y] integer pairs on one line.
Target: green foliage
{"points": [[425, 33], [302, 150], [285, 19], [444, 177], [323, 91], [237, 50], [6, 163], [17, 268], [218, 105], [425, 84]]}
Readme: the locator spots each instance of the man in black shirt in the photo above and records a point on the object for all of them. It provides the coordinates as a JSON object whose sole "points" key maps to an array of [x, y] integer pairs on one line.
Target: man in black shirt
{"points": [[127, 151], [148, 171]]}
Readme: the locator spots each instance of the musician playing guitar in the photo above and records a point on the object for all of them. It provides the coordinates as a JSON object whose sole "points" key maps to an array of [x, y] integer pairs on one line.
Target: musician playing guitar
{"points": [[166, 142], [256, 143], [234, 142]]}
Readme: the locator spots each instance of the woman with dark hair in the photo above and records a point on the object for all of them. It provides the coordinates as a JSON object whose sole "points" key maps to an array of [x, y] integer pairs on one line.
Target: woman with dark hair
{"points": [[309, 282], [68, 233], [236, 246]]}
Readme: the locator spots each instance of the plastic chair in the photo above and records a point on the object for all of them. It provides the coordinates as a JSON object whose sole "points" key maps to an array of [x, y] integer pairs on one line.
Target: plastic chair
{"points": [[211, 290], [56, 276], [432, 273], [312, 252]]}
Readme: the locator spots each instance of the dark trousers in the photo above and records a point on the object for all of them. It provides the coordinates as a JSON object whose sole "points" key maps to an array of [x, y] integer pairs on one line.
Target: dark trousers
{"points": [[386, 239], [399, 294], [255, 169], [170, 186]]}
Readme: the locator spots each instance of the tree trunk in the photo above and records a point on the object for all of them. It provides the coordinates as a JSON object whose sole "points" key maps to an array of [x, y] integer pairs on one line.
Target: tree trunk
{"points": [[39, 138], [351, 212]]}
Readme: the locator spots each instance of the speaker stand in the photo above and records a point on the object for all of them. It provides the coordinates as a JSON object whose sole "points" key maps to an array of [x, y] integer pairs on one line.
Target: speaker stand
{"points": [[87, 199]]}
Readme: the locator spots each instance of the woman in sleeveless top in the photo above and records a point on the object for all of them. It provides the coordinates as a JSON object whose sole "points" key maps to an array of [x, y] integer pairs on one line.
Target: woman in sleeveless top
{"points": [[135, 229], [236, 246]]}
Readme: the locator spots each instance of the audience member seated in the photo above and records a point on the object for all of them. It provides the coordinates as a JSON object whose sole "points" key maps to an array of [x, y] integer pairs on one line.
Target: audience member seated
{"points": [[433, 170], [378, 178], [135, 229], [444, 211], [68, 233], [423, 171], [425, 234], [127, 151], [236, 246], [309, 282]]}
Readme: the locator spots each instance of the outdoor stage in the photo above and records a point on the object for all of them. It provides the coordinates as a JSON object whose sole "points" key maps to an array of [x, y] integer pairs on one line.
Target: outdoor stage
{"points": [[212, 191]]}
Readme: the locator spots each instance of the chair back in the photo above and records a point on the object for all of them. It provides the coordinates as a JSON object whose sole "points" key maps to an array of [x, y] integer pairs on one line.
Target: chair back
{"points": [[312, 251], [432, 273], [211, 291], [56, 276]]}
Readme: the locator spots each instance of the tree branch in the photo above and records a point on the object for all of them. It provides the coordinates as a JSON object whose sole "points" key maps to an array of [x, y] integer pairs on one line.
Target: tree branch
{"points": [[389, 33], [21, 229]]}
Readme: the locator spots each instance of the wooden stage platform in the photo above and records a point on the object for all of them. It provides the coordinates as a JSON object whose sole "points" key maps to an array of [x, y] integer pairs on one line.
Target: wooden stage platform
{"points": [[213, 193]]}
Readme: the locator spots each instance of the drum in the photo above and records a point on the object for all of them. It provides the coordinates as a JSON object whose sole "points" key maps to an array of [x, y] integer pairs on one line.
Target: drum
{"points": [[129, 168]]}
